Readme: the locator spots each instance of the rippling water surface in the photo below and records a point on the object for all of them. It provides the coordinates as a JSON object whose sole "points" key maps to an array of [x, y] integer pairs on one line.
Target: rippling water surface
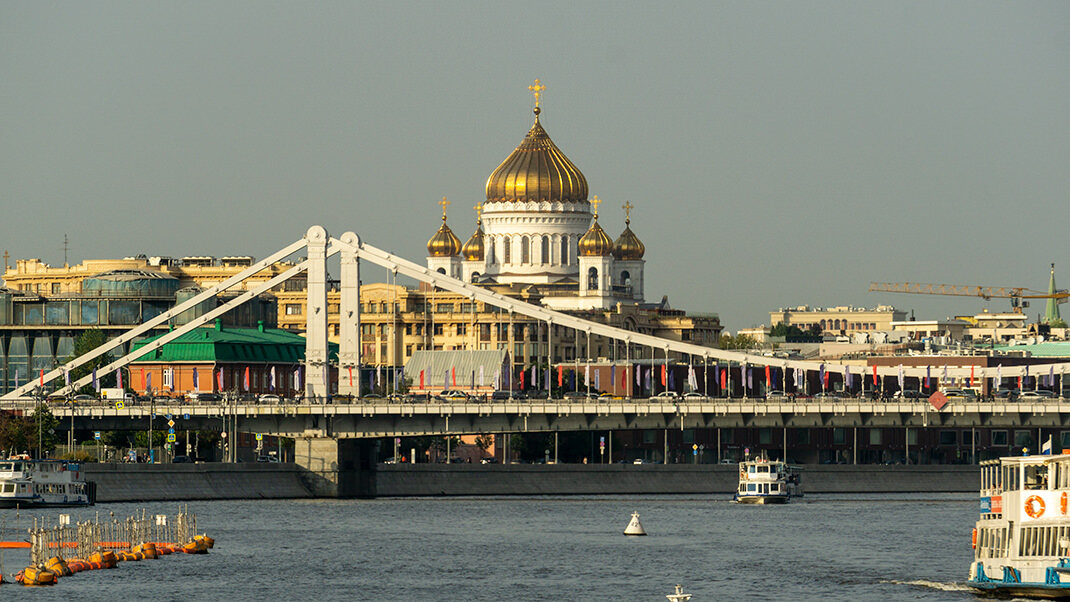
{"points": [[823, 547]]}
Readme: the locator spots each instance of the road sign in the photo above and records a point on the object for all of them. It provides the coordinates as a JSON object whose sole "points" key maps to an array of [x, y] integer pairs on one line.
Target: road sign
{"points": [[170, 437], [167, 416], [171, 423], [185, 416], [96, 435], [119, 405], [223, 434], [170, 431], [259, 436], [601, 442]]}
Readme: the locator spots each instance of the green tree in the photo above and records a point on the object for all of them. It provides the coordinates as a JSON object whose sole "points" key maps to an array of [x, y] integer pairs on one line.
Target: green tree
{"points": [[738, 342], [483, 442], [86, 342], [1057, 323]]}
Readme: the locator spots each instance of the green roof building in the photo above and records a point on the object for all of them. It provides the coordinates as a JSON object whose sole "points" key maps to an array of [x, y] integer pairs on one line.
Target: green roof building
{"points": [[216, 359]]}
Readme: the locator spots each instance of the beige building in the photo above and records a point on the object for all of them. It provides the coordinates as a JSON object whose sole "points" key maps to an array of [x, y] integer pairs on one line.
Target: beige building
{"points": [[838, 320]]}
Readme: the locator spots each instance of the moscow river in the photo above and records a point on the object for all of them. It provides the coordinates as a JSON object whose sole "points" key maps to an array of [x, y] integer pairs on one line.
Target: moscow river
{"points": [[822, 547]]}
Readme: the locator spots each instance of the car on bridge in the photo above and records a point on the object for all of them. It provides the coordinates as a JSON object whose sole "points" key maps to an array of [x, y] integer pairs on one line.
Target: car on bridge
{"points": [[269, 398], [1037, 395], [667, 395], [576, 396], [960, 394], [454, 395]]}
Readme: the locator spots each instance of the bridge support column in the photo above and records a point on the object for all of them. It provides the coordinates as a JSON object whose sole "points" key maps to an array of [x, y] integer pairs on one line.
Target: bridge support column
{"points": [[317, 369], [342, 468], [349, 320]]}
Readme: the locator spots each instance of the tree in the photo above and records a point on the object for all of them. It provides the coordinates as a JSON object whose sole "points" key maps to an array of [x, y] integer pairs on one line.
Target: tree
{"points": [[783, 330], [1057, 323], [483, 442], [86, 342], [742, 341]]}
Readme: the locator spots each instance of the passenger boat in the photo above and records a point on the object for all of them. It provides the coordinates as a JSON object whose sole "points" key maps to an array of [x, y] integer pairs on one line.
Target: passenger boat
{"points": [[1021, 542], [39, 483], [762, 481]]}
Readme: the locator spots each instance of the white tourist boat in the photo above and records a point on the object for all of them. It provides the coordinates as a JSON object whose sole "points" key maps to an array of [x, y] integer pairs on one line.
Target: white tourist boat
{"points": [[1022, 540], [25, 483], [762, 481]]}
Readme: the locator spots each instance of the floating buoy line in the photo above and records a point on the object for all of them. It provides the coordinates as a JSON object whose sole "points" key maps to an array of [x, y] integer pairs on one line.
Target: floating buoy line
{"points": [[62, 549]]}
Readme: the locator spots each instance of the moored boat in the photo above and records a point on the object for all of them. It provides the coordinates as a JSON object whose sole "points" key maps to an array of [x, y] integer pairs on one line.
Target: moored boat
{"points": [[764, 481], [1022, 539], [27, 483]]}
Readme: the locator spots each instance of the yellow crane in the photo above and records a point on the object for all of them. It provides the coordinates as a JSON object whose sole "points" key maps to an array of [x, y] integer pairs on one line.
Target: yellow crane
{"points": [[1015, 294]]}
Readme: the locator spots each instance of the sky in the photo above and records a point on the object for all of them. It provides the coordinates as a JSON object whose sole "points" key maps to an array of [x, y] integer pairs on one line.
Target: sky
{"points": [[777, 153]]}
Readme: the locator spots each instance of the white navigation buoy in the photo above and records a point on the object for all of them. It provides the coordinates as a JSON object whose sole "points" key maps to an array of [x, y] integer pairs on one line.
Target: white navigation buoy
{"points": [[634, 528], [679, 596]]}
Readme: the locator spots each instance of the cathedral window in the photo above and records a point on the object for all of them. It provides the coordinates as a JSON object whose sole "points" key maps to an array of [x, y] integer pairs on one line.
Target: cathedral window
{"points": [[592, 279], [625, 278], [441, 270], [564, 250], [544, 254], [506, 251], [525, 250], [490, 252]]}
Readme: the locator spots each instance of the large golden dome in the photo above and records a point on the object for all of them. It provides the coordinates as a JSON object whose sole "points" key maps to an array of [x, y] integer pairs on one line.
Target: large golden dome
{"points": [[537, 171]]}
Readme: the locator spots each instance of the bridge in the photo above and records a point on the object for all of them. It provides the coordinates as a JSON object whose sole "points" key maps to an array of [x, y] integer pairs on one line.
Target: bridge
{"points": [[337, 436]]}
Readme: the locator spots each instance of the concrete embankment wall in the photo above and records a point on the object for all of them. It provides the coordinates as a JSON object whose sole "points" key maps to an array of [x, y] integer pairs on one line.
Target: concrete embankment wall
{"points": [[581, 479], [163, 482]]}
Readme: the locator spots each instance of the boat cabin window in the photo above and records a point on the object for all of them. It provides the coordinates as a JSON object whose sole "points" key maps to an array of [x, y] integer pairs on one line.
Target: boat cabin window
{"points": [[1010, 477], [1062, 475], [6, 466], [1036, 476]]}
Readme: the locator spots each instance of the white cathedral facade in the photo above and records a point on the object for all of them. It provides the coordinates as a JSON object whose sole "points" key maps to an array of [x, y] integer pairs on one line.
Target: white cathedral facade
{"points": [[537, 227]]}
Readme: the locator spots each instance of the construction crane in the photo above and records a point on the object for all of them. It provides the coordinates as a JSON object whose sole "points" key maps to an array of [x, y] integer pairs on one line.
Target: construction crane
{"points": [[1015, 294]]}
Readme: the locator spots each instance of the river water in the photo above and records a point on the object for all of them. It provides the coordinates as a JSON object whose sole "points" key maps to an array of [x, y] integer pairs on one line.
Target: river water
{"points": [[822, 547]]}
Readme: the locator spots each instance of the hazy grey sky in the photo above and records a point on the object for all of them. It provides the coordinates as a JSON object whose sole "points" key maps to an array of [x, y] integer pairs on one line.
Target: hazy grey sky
{"points": [[777, 153]]}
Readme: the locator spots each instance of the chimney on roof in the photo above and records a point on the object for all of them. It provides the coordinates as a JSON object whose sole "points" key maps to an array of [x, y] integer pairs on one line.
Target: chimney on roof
{"points": [[219, 323]]}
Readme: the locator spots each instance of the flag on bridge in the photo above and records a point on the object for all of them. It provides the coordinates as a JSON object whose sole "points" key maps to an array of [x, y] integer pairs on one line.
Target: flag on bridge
{"points": [[171, 375], [587, 374], [481, 382], [875, 382], [945, 375], [902, 379], [546, 376], [196, 380], [148, 381], [724, 379], [672, 381], [612, 374], [691, 380], [297, 378], [421, 379], [821, 376], [96, 383], [473, 381], [534, 377], [1045, 448], [598, 379], [521, 379], [664, 379], [648, 379], [971, 376], [768, 378], [379, 373], [219, 379], [927, 376], [847, 380], [42, 377], [638, 382], [67, 377], [560, 375], [999, 376], [272, 377], [350, 369], [245, 380], [750, 378], [453, 375]]}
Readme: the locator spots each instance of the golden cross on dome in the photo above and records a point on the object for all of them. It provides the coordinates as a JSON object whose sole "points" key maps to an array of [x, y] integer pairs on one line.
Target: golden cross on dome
{"points": [[596, 202], [627, 207], [443, 202], [479, 211], [537, 89]]}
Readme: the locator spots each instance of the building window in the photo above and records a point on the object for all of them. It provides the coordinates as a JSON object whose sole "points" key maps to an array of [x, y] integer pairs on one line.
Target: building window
{"points": [[592, 279], [803, 437], [168, 377], [948, 438], [999, 438], [444, 308], [408, 329], [462, 328], [293, 309], [438, 329], [1023, 438], [967, 437], [564, 250], [408, 350], [525, 250], [507, 253], [839, 436], [765, 436], [55, 288], [874, 436], [650, 437], [332, 308], [544, 254]]}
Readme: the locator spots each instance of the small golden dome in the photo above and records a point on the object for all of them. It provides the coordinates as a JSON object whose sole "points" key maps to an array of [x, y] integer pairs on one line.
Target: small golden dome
{"points": [[628, 247], [537, 171], [596, 243], [473, 249], [444, 243]]}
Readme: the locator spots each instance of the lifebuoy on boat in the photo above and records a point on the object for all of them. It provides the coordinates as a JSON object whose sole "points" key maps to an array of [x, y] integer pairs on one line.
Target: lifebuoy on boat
{"points": [[973, 541], [1034, 506]]}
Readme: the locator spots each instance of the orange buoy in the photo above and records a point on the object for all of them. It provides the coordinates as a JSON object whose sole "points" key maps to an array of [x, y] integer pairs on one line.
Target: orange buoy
{"points": [[207, 540]]}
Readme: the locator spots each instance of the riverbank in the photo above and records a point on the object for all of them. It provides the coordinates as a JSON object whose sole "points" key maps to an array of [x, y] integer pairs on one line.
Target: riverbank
{"points": [[214, 481]]}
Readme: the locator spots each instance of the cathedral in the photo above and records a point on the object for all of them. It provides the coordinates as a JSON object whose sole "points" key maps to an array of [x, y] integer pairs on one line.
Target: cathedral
{"points": [[537, 227]]}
